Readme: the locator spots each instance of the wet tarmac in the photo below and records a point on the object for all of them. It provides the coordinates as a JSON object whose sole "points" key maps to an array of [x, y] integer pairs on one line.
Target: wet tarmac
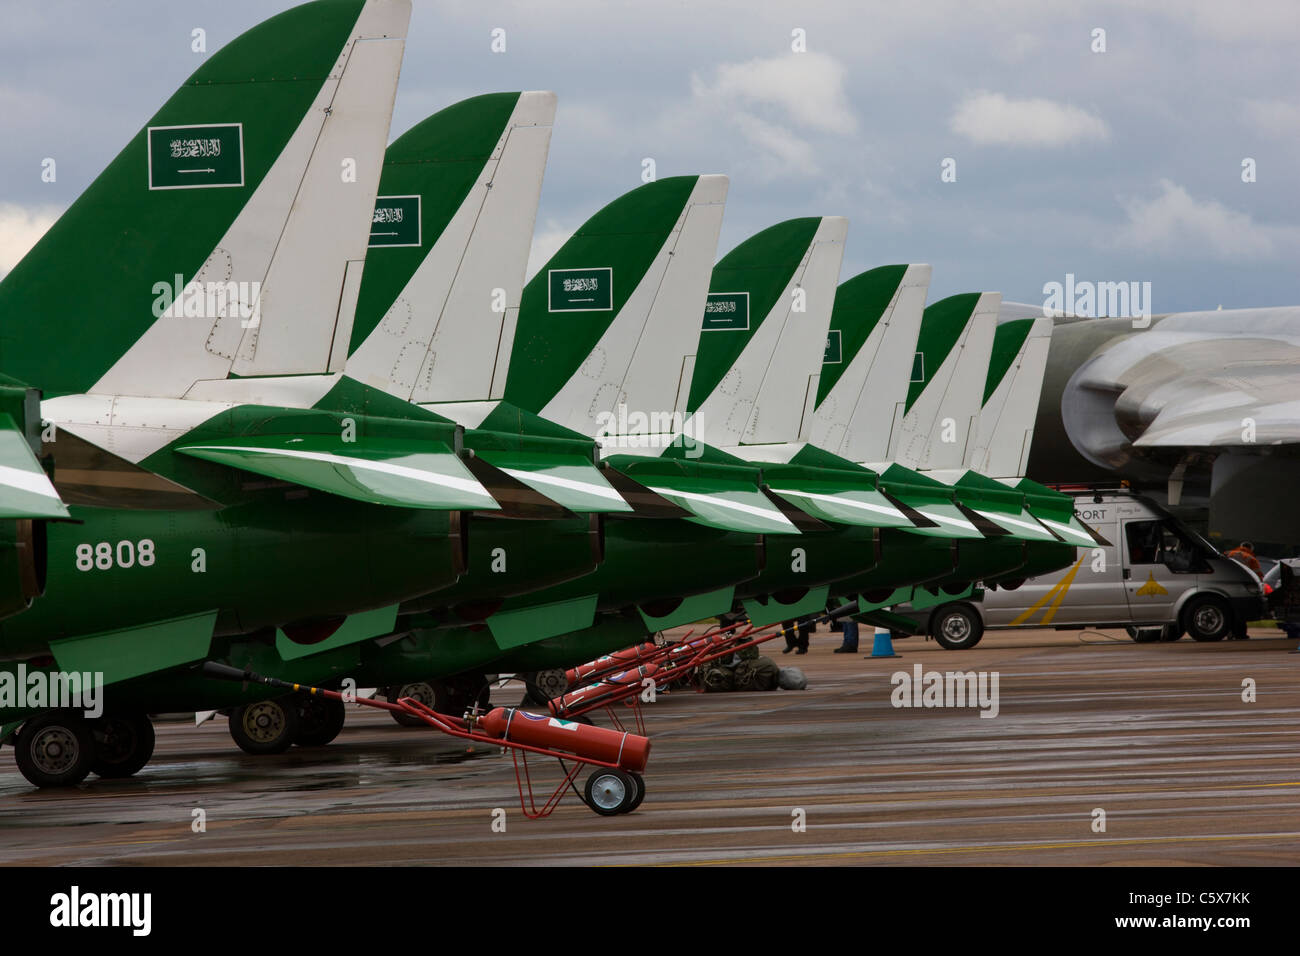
{"points": [[1158, 736]]}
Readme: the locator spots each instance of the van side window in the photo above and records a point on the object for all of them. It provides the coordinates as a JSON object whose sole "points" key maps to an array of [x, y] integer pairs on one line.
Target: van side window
{"points": [[1163, 542], [1143, 542], [1180, 553]]}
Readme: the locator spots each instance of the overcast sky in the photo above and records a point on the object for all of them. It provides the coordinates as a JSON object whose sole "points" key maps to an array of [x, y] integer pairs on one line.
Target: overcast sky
{"points": [[1122, 165]]}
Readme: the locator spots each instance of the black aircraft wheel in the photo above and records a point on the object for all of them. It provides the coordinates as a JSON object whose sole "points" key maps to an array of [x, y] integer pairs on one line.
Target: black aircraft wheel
{"points": [[319, 720], [459, 694], [639, 781], [55, 749], [610, 792], [122, 745], [1207, 618], [421, 691], [957, 628], [265, 727], [543, 686]]}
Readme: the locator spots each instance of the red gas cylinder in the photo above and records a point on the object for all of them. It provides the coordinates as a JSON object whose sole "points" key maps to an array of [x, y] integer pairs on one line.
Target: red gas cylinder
{"points": [[627, 751], [600, 665], [613, 687]]}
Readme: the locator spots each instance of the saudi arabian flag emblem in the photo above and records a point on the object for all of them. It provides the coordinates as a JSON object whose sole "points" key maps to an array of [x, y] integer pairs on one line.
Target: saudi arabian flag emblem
{"points": [[196, 157]]}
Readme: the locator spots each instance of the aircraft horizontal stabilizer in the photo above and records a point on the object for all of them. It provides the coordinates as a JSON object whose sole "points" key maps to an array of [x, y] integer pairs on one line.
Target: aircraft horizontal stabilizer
{"points": [[1056, 511], [25, 489], [830, 502], [1003, 507], [724, 502], [571, 481], [399, 472], [935, 501]]}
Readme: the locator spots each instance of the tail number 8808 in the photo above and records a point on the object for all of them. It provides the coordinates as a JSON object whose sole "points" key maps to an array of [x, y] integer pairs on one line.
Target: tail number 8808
{"points": [[105, 555]]}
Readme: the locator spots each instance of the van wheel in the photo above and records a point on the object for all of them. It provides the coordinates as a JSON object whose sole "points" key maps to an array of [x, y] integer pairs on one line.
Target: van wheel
{"points": [[956, 628], [1207, 618]]}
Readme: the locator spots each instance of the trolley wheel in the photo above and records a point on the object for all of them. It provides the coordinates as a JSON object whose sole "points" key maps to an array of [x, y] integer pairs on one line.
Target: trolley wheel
{"points": [[640, 790], [418, 690], [320, 719], [122, 745], [266, 726], [55, 749], [610, 792]]}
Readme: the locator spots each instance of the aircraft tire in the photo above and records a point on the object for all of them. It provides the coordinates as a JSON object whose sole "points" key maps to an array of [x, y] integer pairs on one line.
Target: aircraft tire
{"points": [[123, 745], [543, 686], [55, 749], [320, 719], [416, 690], [265, 726]]}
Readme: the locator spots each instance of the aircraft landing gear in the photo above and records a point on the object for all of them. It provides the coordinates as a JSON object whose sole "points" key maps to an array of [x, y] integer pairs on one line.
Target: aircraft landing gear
{"points": [[265, 727], [421, 691], [319, 721], [55, 749], [123, 745], [541, 687], [446, 695]]}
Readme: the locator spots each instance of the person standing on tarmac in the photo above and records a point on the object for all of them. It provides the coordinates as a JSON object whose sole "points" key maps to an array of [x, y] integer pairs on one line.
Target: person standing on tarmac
{"points": [[796, 636], [1245, 553]]}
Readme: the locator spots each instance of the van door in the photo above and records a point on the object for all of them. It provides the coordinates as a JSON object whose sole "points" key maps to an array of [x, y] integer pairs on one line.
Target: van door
{"points": [[1162, 562], [1089, 591]]}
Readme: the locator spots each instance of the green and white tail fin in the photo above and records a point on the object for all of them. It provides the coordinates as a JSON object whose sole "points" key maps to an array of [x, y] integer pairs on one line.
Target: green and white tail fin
{"points": [[1011, 390], [249, 193], [869, 358], [439, 303], [937, 424], [611, 318], [761, 345]]}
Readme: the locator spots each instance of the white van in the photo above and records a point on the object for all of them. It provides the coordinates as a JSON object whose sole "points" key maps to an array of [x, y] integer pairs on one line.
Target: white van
{"points": [[1158, 579]]}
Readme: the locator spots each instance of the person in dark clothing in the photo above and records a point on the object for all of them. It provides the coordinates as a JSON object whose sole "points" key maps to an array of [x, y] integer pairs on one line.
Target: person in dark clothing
{"points": [[791, 636], [850, 645]]}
